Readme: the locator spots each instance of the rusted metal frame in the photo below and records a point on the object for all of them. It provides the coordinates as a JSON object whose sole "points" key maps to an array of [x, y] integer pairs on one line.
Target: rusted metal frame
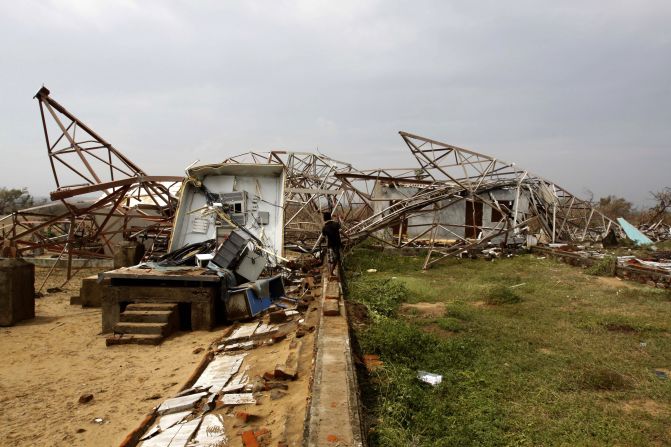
{"points": [[533, 203], [347, 175], [440, 143], [434, 230], [71, 192], [422, 163], [462, 163], [390, 213], [150, 192], [304, 205], [415, 151], [406, 134], [589, 219], [98, 230], [492, 163], [419, 236], [57, 247], [53, 149], [159, 189], [42, 225], [46, 139], [76, 171], [110, 162], [73, 143], [122, 193], [83, 145], [49, 101], [69, 246], [446, 227], [451, 251]]}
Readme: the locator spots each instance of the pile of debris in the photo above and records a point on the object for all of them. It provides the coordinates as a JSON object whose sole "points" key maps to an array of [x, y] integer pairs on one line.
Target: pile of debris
{"points": [[453, 200], [233, 394]]}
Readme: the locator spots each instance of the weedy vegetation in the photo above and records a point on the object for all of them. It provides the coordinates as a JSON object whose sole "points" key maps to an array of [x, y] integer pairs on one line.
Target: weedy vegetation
{"points": [[532, 352]]}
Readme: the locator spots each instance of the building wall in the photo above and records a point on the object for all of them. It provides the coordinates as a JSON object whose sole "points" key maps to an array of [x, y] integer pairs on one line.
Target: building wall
{"points": [[453, 217]]}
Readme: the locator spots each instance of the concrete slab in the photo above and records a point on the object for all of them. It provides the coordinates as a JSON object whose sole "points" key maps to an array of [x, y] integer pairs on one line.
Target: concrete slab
{"points": [[177, 404], [219, 371]]}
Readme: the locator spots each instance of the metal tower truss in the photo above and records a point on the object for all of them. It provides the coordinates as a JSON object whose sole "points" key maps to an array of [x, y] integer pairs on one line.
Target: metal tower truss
{"points": [[449, 178], [311, 188], [128, 203]]}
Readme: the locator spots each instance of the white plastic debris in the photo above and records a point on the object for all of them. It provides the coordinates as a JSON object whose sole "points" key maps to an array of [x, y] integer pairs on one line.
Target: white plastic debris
{"points": [[430, 378], [371, 270], [238, 399]]}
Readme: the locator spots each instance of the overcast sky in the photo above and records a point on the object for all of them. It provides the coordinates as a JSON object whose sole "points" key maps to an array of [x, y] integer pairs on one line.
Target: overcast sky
{"points": [[576, 91]]}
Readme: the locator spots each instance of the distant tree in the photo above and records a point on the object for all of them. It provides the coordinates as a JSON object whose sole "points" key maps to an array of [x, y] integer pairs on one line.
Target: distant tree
{"points": [[14, 199], [662, 208], [614, 207]]}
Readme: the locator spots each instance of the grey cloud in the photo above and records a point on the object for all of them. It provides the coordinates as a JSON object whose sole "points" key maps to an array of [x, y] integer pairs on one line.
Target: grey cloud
{"points": [[575, 91]]}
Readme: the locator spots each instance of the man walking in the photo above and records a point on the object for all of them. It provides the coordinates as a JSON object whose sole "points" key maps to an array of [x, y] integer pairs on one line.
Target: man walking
{"points": [[331, 231]]}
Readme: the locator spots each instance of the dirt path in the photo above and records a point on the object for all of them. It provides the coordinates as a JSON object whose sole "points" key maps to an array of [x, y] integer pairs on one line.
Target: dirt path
{"points": [[49, 362]]}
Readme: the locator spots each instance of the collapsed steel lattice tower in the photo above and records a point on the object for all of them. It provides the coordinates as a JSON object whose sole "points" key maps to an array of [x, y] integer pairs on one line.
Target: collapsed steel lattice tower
{"points": [[83, 163], [449, 176], [311, 188]]}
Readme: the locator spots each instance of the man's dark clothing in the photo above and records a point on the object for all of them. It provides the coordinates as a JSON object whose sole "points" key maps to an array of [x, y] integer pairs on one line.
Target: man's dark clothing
{"points": [[331, 231]]}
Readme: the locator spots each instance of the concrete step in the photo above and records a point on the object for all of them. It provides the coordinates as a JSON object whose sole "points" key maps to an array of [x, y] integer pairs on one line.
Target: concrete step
{"points": [[152, 306], [145, 316], [135, 339], [160, 329]]}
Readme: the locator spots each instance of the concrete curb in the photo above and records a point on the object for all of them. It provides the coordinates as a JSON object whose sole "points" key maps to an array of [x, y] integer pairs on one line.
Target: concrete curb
{"points": [[334, 416]]}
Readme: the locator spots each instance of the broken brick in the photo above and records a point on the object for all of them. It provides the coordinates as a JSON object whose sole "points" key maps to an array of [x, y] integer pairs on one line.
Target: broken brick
{"points": [[283, 372], [275, 385], [244, 416], [249, 439], [278, 317]]}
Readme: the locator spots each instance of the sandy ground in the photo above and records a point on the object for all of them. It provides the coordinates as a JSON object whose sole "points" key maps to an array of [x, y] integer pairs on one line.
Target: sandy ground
{"points": [[49, 362]]}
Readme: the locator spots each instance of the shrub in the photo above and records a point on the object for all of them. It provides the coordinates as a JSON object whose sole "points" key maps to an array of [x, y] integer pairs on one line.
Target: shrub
{"points": [[605, 267], [380, 296]]}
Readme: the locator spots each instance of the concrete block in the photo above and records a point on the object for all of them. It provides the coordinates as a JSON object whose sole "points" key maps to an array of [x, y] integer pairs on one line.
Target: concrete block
{"points": [[91, 291], [17, 291], [331, 308], [127, 254], [333, 290]]}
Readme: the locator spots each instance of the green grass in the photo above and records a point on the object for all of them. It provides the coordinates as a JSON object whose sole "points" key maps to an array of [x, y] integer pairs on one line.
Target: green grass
{"points": [[604, 267], [533, 352]]}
